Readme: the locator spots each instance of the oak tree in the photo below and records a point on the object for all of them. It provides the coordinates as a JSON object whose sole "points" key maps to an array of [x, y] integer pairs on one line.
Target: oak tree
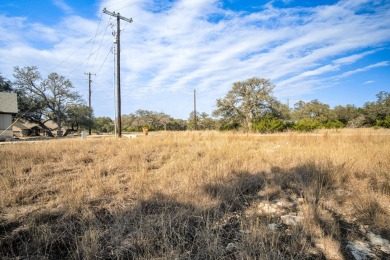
{"points": [[43, 99], [248, 101]]}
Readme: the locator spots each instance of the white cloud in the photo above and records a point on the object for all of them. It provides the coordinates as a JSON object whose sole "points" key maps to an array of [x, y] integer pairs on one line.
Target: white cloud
{"points": [[353, 58], [369, 82], [175, 47], [63, 6], [366, 68]]}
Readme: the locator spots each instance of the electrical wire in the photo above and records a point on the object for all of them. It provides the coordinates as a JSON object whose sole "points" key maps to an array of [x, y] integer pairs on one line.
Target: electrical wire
{"points": [[17, 120], [101, 42], [105, 60], [71, 55], [101, 15], [117, 3], [85, 60]]}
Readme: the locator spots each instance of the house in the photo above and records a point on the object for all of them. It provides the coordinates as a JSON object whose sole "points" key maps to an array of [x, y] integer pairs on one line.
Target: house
{"points": [[21, 130], [8, 108], [32, 129]]}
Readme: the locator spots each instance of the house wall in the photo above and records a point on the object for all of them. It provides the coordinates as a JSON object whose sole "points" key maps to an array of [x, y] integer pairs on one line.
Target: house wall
{"points": [[5, 121]]}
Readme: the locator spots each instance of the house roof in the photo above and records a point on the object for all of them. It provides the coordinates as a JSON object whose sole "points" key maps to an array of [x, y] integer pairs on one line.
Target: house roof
{"points": [[8, 103], [50, 124], [19, 126]]}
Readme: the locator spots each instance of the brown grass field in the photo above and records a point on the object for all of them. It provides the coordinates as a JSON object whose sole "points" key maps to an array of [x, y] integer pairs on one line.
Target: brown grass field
{"points": [[197, 195]]}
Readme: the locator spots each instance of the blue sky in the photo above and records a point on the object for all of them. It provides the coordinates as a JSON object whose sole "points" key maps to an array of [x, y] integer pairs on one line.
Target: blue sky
{"points": [[334, 51]]}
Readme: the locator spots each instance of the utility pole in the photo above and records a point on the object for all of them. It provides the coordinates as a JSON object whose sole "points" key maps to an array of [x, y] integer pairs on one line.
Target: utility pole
{"points": [[194, 109], [115, 117], [118, 62], [89, 99]]}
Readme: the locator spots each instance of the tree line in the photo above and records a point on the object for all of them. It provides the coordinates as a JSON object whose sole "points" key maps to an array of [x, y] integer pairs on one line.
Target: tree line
{"points": [[249, 105]]}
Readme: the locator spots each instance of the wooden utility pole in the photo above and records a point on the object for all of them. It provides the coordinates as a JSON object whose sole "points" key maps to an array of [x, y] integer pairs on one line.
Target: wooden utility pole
{"points": [[194, 109], [89, 99], [118, 63]]}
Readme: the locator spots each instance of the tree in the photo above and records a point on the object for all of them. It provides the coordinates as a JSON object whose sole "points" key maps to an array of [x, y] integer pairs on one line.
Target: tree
{"points": [[314, 110], [378, 110], [5, 85], [128, 122], [347, 115], [103, 124], [153, 120], [278, 110], [203, 122], [78, 115], [177, 125], [164, 120], [43, 99], [246, 102], [31, 106]]}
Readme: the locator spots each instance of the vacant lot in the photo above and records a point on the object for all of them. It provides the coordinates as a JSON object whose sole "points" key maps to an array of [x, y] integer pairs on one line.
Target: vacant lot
{"points": [[202, 195]]}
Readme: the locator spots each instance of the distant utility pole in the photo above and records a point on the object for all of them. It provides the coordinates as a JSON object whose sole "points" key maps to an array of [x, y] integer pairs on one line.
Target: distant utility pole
{"points": [[194, 109], [118, 62], [89, 99]]}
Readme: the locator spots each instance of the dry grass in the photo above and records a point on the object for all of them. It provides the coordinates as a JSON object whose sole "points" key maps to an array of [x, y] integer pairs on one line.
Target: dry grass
{"points": [[194, 195]]}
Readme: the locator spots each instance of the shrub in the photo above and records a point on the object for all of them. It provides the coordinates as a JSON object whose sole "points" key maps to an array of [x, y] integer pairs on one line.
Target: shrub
{"points": [[307, 125], [270, 125], [228, 126], [333, 124], [384, 123]]}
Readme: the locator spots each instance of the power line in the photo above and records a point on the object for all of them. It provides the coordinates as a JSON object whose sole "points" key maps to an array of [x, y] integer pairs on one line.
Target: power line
{"points": [[101, 42], [75, 53], [97, 29], [117, 3], [84, 60], [71, 54], [104, 61]]}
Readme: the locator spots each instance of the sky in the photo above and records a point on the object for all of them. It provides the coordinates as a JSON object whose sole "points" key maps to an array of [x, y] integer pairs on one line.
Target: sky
{"points": [[335, 51]]}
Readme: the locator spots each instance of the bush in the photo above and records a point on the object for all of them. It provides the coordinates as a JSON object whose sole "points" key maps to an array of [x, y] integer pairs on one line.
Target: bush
{"points": [[384, 123], [228, 126], [307, 125], [270, 125], [333, 125]]}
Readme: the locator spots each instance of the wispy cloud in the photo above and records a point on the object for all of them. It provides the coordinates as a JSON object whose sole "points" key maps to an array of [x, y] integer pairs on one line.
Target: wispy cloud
{"points": [[369, 82], [175, 47], [366, 68], [63, 6], [353, 58]]}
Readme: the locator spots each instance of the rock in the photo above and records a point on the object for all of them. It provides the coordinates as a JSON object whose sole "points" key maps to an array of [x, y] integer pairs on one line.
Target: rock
{"points": [[381, 243], [231, 247], [272, 226], [360, 250], [268, 209], [284, 204], [363, 229], [320, 246], [291, 220]]}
